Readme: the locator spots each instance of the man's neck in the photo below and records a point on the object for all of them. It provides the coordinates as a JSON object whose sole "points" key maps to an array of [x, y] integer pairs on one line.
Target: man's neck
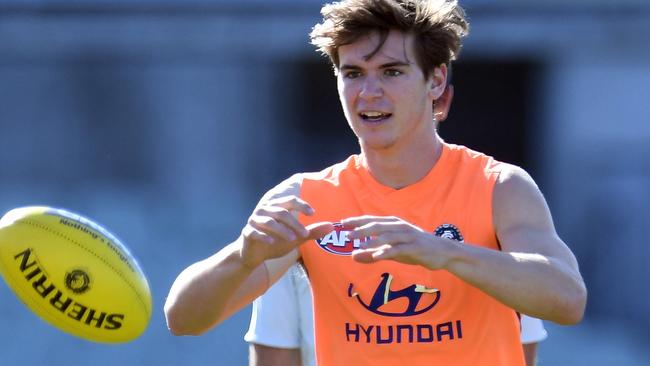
{"points": [[399, 168]]}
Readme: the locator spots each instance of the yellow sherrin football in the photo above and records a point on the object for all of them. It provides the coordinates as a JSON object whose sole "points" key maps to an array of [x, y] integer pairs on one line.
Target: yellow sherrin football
{"points": [[74, 274]]}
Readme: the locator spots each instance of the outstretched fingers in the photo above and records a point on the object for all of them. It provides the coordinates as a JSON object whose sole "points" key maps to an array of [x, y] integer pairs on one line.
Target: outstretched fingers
{"points": [[278, 218], [293, 203], [278, 223], [380, 229], [389, 237], [371, 255], [357, 221], [273, 230], [318, 230]]}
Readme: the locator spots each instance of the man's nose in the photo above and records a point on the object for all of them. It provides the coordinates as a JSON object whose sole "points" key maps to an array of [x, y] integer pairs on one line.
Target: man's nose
{"points": [[371, 87]]}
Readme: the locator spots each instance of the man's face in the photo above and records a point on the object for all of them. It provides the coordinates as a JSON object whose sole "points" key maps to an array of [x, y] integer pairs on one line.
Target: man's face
{"points": [[386, 99]]}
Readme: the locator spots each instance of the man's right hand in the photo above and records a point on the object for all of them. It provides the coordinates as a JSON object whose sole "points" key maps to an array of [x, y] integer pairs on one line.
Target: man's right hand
{"points": [[273, 230]]}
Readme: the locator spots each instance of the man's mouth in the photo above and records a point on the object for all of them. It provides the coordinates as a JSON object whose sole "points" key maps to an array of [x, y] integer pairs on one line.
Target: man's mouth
{"points": [[374, 116]]}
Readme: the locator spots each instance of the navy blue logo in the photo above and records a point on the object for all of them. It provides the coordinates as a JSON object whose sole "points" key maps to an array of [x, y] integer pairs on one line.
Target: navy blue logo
{"points": [[449, 231], [383, 295]]}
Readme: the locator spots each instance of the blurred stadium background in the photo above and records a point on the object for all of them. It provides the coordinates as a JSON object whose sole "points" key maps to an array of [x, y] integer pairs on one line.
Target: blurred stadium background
{"points": [[166, 120]]}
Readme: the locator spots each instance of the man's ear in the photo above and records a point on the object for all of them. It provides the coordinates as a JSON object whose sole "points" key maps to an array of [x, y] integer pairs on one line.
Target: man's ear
{"points": [[442, 104], [438, 81]]}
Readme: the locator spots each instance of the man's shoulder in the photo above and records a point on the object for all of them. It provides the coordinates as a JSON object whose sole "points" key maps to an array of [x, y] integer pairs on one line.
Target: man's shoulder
{"points": [[465, 153], [292, 186], [465, 157], [288, 187], [333, 172]]}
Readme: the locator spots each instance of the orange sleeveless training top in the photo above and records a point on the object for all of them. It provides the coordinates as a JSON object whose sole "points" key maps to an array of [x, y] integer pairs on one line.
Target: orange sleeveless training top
{"points": [[389, 313]]}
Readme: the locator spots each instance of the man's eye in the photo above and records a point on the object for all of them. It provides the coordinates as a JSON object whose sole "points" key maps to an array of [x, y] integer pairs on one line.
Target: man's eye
{"points": [[351, 74], [392, 72]]}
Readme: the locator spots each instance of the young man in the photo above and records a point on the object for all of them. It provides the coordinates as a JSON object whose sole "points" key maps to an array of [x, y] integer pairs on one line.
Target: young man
{"points": [[281, 331], [419, 252]]}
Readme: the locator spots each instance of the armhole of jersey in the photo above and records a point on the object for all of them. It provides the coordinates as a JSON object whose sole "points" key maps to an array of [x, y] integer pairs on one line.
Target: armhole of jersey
{"points": [[494, 186], [303, 267], [276, 267]]}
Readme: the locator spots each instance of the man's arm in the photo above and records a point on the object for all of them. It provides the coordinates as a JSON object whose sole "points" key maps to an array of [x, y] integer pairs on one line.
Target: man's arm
{"points": [[535, 273], [530, 353], [260, 355], [532, 332], [211, 290]]}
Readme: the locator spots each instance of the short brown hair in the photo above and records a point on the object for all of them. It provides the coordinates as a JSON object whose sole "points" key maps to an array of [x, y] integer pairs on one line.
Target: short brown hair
{"points": [[438, 27]]}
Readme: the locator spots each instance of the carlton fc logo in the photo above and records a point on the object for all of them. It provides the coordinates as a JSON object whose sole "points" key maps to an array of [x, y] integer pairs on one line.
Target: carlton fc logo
{"points": [[337, 241], [449, 231], [414, 295]]}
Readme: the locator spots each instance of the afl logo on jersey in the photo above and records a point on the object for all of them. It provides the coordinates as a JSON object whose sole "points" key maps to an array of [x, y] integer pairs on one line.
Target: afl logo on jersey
{"points": [[337, 241], [449, 231]]}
